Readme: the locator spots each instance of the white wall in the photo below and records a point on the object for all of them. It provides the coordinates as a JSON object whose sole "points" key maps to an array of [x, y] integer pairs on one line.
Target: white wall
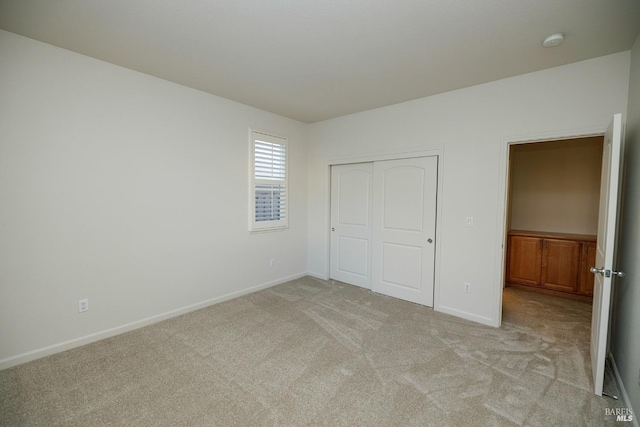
{"points": [[127, 190], [132, 191], [625, 339], [555, 186], [473, 126]]}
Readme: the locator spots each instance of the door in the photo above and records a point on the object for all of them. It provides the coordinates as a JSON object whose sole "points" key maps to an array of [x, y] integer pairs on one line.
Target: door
{"points": [[524, 260], [404, 220], [587, 260], [560, 265], [351, 218], [605, 249]]}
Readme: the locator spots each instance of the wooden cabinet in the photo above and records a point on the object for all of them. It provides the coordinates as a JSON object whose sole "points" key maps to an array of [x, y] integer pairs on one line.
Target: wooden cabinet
{"points": [[524, 260], [587, 260], [551, 262], [560, 262]]}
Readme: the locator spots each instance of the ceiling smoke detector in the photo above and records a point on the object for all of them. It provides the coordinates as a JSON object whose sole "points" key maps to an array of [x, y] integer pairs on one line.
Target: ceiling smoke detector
{"points": [[553, 40]]}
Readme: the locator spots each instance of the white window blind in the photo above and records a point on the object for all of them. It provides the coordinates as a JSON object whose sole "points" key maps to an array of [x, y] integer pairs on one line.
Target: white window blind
{"points": [[269, 192]]}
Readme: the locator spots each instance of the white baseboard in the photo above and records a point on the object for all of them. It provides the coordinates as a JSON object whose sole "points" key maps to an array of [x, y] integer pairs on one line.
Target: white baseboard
{"points": [[464, 315], [623, 391], [317, 275], [87, 339]]}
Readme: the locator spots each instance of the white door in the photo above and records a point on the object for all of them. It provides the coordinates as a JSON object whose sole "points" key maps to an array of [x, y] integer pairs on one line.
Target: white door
{"points": [[404, 223], [605, 252], [351, 218]]}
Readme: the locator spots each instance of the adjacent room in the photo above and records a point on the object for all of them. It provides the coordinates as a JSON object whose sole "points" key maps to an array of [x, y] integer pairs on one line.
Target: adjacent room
{"points": [[552, 216], [345, 213]]}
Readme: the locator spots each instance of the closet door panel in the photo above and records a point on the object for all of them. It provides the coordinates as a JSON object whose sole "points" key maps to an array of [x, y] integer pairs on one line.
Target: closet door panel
{"points": [[404, 219], [351, 223]]}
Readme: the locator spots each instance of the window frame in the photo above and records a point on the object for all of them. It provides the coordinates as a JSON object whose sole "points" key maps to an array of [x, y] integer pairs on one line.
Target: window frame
{"points": [[254, 182]]}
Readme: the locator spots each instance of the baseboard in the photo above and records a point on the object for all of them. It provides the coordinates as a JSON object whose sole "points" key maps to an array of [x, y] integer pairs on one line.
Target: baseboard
{"points": [[623, 391], [561, 294], [317, 275], [467, 316], [87, 339]]}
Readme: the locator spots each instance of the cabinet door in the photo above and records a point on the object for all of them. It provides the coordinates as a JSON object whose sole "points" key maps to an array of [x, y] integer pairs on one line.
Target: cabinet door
{"points": [[560, 265], [587, 260], [524, 260]]}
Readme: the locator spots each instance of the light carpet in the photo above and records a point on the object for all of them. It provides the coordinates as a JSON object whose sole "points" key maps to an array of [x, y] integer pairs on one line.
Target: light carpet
{"points": [[322, 353]]}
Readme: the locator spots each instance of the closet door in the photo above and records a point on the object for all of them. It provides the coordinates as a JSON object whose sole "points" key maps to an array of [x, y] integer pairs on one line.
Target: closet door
{"points": [[404, 219], [351, 220]]}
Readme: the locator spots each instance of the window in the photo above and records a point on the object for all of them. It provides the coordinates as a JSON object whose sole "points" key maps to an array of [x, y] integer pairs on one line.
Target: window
{"points": [[269, 189]]}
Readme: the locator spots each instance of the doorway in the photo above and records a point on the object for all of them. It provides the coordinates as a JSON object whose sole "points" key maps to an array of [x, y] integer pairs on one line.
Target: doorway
{"points": [[552, 216], [567, 269]]}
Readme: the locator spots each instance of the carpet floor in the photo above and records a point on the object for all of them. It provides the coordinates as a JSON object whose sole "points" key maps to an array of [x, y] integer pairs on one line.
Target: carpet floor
{"points": [[313, 352]]}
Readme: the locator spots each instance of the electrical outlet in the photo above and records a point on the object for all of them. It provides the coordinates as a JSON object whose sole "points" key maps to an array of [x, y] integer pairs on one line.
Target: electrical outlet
{"points": [[467, 287], [83, 305], [272, 263]]}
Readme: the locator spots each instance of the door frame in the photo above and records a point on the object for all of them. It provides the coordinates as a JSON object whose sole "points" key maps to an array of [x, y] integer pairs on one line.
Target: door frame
{"points": [[429, 151], [501, 226]]}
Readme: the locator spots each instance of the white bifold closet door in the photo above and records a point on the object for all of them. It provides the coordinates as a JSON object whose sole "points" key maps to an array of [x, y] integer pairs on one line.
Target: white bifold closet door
{"points": [[383, 217]]}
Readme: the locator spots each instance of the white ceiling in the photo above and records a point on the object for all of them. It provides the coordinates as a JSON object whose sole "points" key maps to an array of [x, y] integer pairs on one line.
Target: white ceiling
{"points": [[313, 60]]}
